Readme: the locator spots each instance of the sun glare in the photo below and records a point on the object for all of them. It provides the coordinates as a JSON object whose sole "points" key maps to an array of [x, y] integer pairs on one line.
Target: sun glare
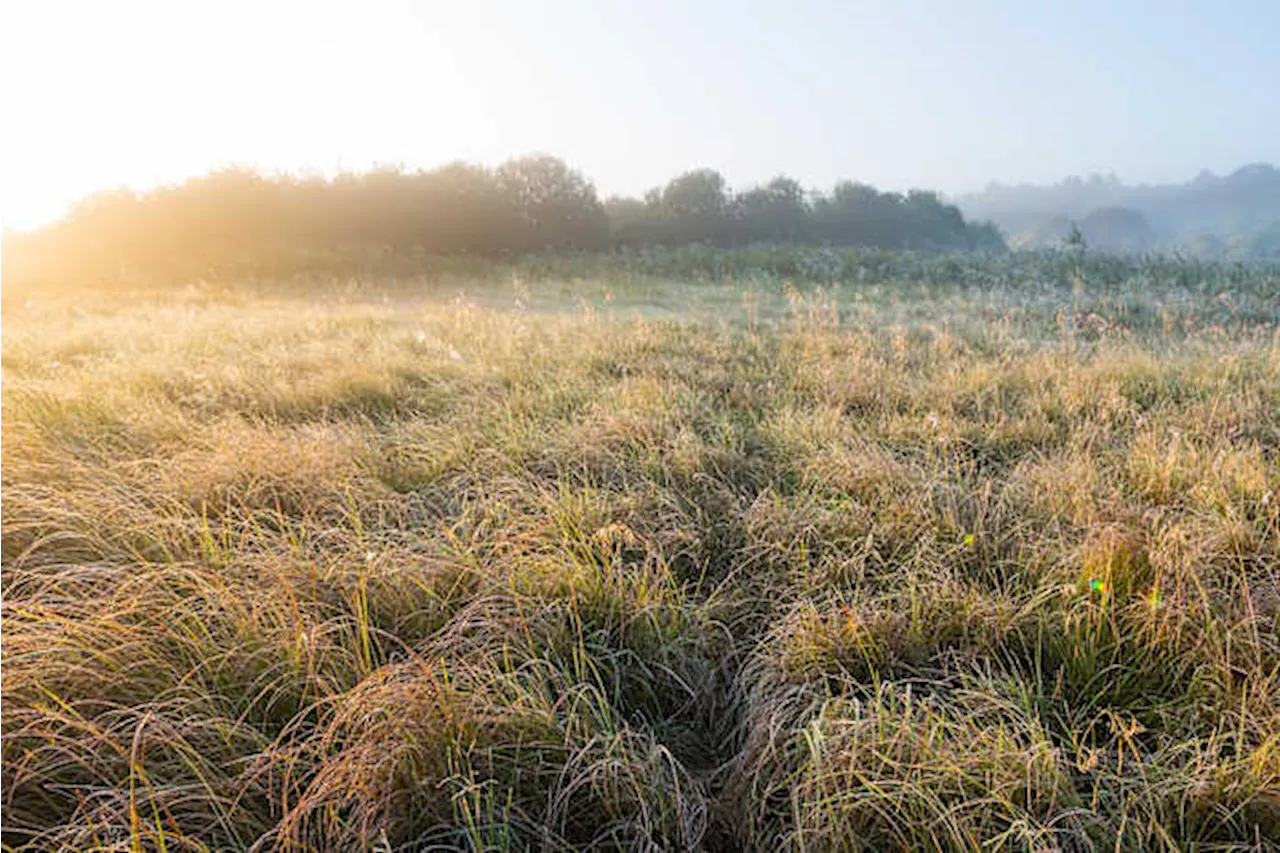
{"points": [[101, 96]]}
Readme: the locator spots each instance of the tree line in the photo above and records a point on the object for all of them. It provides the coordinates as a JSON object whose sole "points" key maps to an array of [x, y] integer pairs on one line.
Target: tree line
{"points": [[528, 204]]}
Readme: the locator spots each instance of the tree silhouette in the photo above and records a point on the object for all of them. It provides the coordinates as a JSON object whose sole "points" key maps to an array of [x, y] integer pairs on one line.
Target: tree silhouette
{"points": [[557, 207], [535, 203], [695, 205], [776, 211]]}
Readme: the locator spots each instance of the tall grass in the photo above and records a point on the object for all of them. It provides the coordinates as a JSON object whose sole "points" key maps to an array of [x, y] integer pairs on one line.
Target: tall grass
{"points": [[587, 558]]}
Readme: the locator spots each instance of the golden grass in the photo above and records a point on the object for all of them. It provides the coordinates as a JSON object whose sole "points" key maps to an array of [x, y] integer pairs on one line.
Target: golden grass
{"points": [[828, 570]]}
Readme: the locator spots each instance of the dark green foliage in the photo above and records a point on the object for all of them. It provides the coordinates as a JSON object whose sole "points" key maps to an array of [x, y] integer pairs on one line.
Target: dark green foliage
{"points": [[696, 208]]}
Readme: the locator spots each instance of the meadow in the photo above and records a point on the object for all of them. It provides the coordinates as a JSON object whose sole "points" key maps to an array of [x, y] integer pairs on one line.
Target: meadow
{"points": [[707, 550]]}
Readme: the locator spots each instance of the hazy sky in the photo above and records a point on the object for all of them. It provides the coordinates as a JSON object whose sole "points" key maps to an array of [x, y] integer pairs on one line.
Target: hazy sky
{"points": [[945, 95]]}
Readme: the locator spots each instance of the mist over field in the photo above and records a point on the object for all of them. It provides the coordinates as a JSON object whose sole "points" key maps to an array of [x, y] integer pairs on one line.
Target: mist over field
{"points": [[1234, 216]]}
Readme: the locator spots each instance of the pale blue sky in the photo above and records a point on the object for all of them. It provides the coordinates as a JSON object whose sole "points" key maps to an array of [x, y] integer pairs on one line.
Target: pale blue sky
{"points": [[945, 95]]}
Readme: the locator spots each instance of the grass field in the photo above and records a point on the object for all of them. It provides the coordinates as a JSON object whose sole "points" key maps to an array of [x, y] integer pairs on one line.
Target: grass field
{"points": [[593, 559]]}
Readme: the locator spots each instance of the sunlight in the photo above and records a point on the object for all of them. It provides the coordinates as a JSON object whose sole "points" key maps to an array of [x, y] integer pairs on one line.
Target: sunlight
{"points": [[136, 94]]}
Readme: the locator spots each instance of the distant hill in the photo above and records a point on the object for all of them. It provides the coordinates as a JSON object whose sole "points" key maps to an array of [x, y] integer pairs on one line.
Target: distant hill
{"points": [[1234, 217]]}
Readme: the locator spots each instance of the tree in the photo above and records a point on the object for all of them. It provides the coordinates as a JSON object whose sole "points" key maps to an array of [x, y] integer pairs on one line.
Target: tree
{"points": [[775, 212], [695, 206], [930, 224], [462, 208], [858, 215], [633, 222], [985, 237], [556, 205]]}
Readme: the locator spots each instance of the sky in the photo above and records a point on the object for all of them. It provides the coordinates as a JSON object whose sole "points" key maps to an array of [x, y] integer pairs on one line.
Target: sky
{"points": [[942, 95]]}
